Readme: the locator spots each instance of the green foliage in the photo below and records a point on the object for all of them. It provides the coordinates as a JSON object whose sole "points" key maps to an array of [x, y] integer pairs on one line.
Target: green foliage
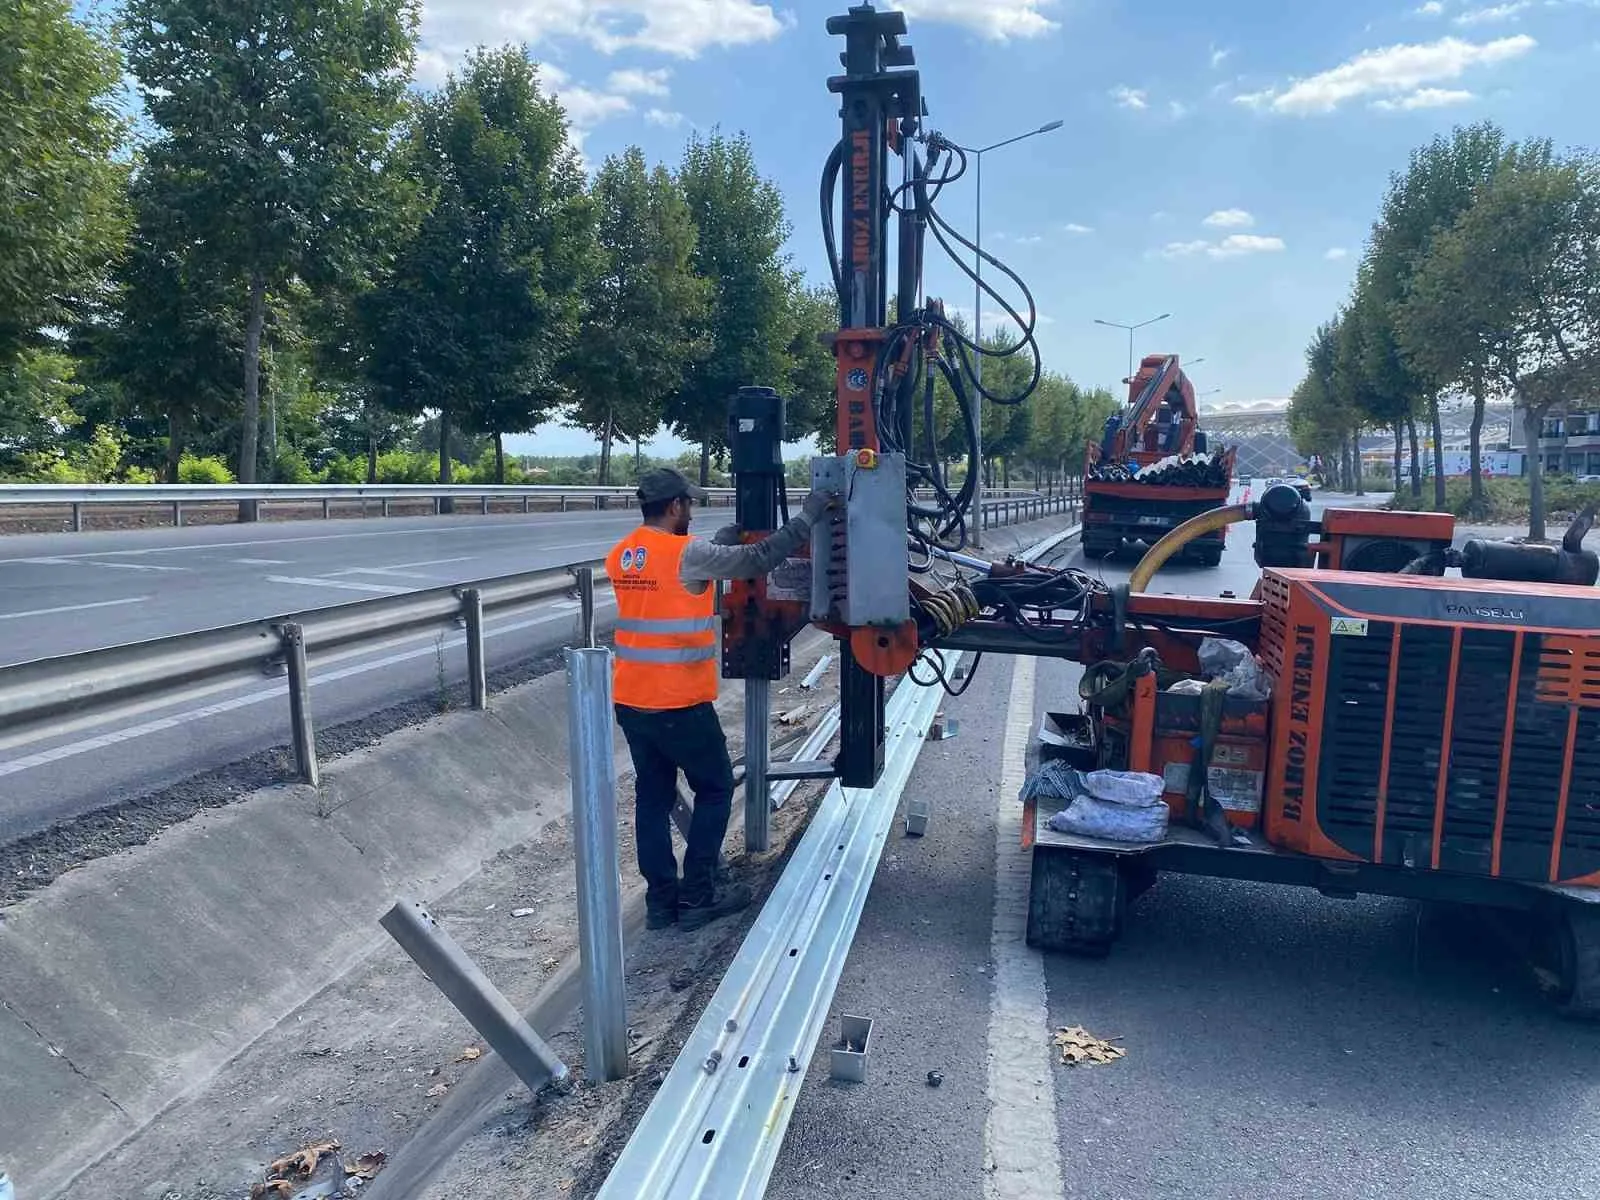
{"points": [[203, 470], [62, 212], [645, 310], [36, 393], [739, 248], [342, 469], [407, 466], [1509, 500], [273, 119]]}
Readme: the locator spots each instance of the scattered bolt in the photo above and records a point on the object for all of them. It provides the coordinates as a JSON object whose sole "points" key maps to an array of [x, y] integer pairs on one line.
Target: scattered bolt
{"points": [[730, 1025], [794, 1064], [713, 1061], [935, 1078]]}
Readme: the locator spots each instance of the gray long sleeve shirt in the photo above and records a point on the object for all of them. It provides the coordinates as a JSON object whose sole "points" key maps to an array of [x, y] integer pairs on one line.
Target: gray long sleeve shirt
{"points": [[704, 560]]}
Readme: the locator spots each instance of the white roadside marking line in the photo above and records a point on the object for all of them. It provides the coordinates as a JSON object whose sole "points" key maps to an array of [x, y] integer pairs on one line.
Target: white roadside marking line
{"points": [[398, 568], [263, 562], [346, 584], [1022, 1157], [65, 561], [66, 608], [84, 746]]}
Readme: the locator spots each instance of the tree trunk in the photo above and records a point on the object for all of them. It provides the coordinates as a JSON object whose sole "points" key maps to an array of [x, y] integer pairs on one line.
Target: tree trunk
{"points": [[174, 445], [372, 456], [1477, 506], [705, 463], [1416, 457], [1438, 455], [1399, 453], [1535, 423], [255, 322], [638, 458], [499, 457], [1005, 472], [606, 435], [446, 503], [1355, 463]]}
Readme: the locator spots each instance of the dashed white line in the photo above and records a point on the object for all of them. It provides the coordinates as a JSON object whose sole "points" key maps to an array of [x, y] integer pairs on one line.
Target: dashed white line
{"points": [[348, 585], [262, 562], [1022, 1157], [66, 561], [66, 608], [403, 570]]}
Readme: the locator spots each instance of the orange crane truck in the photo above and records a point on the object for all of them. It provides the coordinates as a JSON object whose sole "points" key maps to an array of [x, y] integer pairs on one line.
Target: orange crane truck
{"points": [[1151, 470]]}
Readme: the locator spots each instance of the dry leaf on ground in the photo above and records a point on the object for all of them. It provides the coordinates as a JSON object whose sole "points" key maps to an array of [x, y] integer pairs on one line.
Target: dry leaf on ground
{"points": [[301, 1163], [272, 1189], [1078, 1045], [470, 1054], [367, 1165]]}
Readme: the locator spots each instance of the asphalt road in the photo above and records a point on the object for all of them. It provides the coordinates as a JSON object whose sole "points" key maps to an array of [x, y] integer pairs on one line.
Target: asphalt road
{"points": [[1279, 1043]]}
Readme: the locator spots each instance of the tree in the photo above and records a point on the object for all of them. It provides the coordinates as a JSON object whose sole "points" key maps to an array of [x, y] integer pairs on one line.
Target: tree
{"points": [[1438, 185], [741, 230], [62, 216], [481, 307], [1519, 274], [273, 120], [811, 314], [645, 307]]}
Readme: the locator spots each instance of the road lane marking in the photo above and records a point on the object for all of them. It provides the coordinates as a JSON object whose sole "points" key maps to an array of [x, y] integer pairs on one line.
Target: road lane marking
{"points": [[71, 561], [403, 570], [263, 562], [1021, 1150], [348, 585], [66, 608], [318, 678]]}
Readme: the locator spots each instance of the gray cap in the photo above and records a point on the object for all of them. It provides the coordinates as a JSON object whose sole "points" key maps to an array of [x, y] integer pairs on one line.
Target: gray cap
{"points": [[667, 483]]}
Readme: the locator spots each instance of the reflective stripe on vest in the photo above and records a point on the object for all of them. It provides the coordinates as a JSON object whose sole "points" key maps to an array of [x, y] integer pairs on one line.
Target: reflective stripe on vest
{"points": [[666, 636]]}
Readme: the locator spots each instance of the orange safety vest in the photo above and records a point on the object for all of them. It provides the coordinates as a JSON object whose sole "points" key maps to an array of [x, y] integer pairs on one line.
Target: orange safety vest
{"points": [[666, 639]]}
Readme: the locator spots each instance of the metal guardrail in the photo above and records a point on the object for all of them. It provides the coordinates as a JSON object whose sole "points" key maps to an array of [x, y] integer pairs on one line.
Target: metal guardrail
{"points": [[77, 498]]}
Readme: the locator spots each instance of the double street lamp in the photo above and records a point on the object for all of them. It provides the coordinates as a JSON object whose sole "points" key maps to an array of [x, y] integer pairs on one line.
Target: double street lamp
{"points": [[977, 315], [1132, 329]]}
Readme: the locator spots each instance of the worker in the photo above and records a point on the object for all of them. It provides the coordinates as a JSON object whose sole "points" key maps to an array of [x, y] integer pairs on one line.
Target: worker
{"points": [[664, 684]]}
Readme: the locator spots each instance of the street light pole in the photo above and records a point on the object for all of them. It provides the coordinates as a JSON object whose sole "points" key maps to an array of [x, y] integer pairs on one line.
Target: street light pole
{"points": [[1132, 329], [977, 320]]}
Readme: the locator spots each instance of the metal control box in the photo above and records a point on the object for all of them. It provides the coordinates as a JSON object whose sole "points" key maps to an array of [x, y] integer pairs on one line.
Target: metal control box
{"points": [[859, 551]]}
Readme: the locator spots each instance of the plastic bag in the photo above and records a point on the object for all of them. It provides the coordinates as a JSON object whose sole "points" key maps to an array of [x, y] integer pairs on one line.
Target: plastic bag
{"points": [[1133, 788], [1055, 780], [1222, 658], [1088, 816]]}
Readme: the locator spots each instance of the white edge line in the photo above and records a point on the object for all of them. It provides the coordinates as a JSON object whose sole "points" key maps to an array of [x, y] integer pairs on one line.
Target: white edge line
{"points": [[66, 608]]}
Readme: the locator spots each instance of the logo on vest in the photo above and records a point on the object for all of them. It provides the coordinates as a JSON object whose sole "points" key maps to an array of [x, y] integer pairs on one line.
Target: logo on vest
{"points": [[627, 560], [638, 558]]}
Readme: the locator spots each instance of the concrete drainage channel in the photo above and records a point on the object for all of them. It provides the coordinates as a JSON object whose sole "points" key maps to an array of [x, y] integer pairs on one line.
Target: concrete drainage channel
{"points": [[171, 1030]]}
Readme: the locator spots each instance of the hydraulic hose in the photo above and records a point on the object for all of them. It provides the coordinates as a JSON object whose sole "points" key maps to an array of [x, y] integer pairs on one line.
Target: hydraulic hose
{"points": [[1177, 539]]}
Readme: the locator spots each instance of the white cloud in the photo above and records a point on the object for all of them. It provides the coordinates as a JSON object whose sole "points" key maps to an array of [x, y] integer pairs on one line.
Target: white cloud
{"points": [[1217, 56], [1229, 218], [1424, 98], [1178, 109], [635, 82], [1074, 227], [1493, 13], [1431, 9], [1335, 253], [1235, 245], [682, 28], [1392, 70], [585, 107], [664, 118], [998, 20], [1127, 97]]}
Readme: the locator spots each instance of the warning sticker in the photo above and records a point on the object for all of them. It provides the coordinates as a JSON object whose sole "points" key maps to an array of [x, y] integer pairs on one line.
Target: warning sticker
{"points": [[1230, 756], [1348, 627], [1236, 791]]}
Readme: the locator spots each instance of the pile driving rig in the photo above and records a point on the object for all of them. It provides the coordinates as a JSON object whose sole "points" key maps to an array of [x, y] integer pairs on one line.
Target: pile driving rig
{"points": [[1151, 468], [1432, 722]]}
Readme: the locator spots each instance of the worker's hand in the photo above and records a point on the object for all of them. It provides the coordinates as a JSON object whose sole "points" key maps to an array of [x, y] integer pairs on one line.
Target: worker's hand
{"points": [[819, 501], [728, 535]]}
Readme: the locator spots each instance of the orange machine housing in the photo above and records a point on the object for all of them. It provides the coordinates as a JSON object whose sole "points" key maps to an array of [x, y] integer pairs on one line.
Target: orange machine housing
{"points": [[1434, 723]]}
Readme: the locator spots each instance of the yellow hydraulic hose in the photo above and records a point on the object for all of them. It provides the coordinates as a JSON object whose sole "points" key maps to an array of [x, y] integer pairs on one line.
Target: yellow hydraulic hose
{"points": [[1177, 539]]}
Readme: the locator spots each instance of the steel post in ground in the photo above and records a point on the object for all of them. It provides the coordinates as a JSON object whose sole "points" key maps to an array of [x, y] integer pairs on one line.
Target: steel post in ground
{"points": [[305, 738], [477, 673], [757, 746], [586, 637], [592, 767], [474, 997]]}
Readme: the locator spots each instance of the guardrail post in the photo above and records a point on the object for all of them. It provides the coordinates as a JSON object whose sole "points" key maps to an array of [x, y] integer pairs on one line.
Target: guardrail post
{"points": [[385, 503], [485, 504], [592, 766], [305, 738], [474, 997], [563, 499], [757, 748], [77, 518], [586, 635], [177, 514], [524, 503], [327, 508], [477, 673]]}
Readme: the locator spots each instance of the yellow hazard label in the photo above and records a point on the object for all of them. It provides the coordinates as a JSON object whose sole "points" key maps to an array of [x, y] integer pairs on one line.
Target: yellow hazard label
{"points": [[1348, 627]]}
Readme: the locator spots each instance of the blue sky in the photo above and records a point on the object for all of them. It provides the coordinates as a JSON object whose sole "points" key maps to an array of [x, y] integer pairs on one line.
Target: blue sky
{"points": [[1219, 161]]}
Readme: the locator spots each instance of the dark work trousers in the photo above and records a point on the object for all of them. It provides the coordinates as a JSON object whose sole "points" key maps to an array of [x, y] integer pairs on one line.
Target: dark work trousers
{"points": [[663, 743]]}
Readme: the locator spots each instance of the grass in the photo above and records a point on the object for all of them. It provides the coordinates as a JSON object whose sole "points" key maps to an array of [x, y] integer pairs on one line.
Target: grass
{"points": [[1506, 500]]}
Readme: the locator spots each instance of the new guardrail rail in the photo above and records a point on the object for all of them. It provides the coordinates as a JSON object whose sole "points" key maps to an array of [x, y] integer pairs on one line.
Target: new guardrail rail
{"points": [[77, 499]]}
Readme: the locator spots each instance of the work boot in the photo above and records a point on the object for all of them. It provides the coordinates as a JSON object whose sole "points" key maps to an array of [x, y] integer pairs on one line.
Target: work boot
{"points": [[660, 910], [728, 899]]}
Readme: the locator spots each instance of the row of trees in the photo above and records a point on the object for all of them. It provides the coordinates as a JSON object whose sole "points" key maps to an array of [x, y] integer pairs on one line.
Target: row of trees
{"points": [[302, 265], [1480, 280]]}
